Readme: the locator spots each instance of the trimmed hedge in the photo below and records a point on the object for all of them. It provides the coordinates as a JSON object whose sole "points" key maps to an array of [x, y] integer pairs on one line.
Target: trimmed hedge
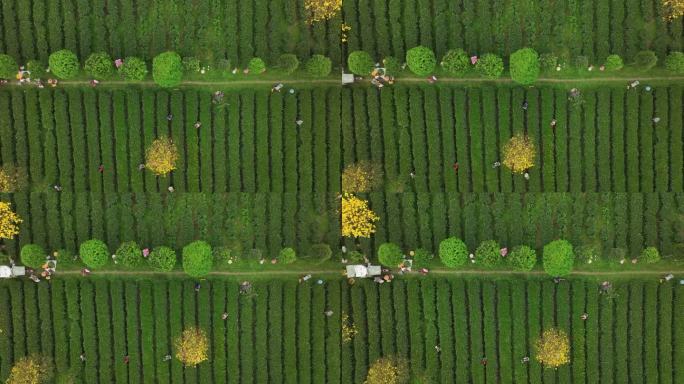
{"points": [[288, 63], [456, 62], [649, 255], [94, 253], [99, 65], [421, 60], [162, 259], [256, 66], [524, 66], [392, 65], [490, 66], [8, 67], [197, 258], [32, 255], [167, 69], [522, 258], [614, 63], [64, 64], [645, 60], [390, 255], [422, 258], [287, 256], [674, 62], [453, 252], [558, 258], [488, 253], [318, 66], [360, 63], [130, 254], [133, 69]]}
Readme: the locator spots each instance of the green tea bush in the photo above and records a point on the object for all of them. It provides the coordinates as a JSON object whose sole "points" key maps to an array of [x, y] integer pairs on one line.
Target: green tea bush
{"points": [[422, 258], [360, 63], [8, 67], [64, 64], [649, 255], [32, 255], [162, 259], [587, 254], [522, 258], [321, 252], [191, 64], [580, 62], [614, 63], [524, 65], [421, 60], [133, 69], [99, 65], [288, 63], [392, 65], [674, 62], [167, 69], [558, 258], [490, 66], [488, 253], [222, 255], [453, 252], [197, 258], [256, 66], [318, 66], [456, 62], [130, 254], [36, 68], [548, 62], [355, 257], [287, 256], [390, 255], [94, 253], [645, 60]]}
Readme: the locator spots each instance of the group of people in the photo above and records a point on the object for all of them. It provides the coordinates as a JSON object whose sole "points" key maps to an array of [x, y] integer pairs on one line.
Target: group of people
{"points": [[47, 270], [379, 77]]}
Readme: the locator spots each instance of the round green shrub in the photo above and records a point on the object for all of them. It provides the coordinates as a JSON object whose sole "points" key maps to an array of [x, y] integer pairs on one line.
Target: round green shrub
{"points": [[390, 255], [8, 67], [222, 255], [287, 256], [488, 253], [64, 64], [674, 62], [355, 257], [36, 68], [421, 60], [421, 258], [191, 64], [453, 252], [288, 63], [167, 69], [456, 62], [548, 62], [99, 65], [318, 66], [524, 65], [522, 258], [130, 254], [645, 60], [649, 255], [133, 69], [32, 255], [94, 253], [360, 63], [392, 65], [197, 258], [162, 259], [490, 66], [558, 258], [321, 252], [613, 63], [256, 66]]}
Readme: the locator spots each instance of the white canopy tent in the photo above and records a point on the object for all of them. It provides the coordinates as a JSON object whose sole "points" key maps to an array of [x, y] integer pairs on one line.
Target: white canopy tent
{"points": [[5, 272], [359, 270], [347, 78]]}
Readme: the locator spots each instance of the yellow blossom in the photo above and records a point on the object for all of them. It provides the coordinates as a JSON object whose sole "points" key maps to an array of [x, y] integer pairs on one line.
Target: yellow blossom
{"points": [[9, 221], [319, 10], [348, 329], [363, 176], [388, 370], [161, 156], [357, 219], [672, 9], [519, 154], [192, 347], [553, 348], [32, 369]]}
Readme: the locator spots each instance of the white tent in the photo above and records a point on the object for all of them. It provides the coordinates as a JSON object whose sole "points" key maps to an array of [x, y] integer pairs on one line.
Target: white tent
{"points": [[5, 272], [347, 78], [363, 271]]}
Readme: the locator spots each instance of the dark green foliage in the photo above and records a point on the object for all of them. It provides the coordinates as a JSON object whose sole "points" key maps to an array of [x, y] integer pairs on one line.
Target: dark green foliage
{"points": [[456, 62], [94, 253], [318, 66], [191, 65], [287, 256], [392, 65], [130, 254], [522, 258], [197, 258], [36, 68], [422, 258], [64, 64], [488, 254], [99, 65], [674, 62], [288, 63], [390, 255], [645, 60], [133, 69], [8, 67], [321, 252], [32, 255], [162, 259], [490, 66], [167, 69], [256, 65], [558, 257], [548, 62], [453, 252], [524, 66], [360, 63], [613, 63], [649, 255], [421, 60]]}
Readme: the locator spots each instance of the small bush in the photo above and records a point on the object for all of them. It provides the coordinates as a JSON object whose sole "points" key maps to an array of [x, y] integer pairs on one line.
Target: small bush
{"points": [[222, 255], [99, 65], [167, 69], [488, 253], [421, 60], [613, 63], [490, 66], [524, 66], [318, 66], [8, 67], [453, 252], [456, 62], [522, 258], [390, 255], [581, 62], [360, 63], [256, 66], [32, 255], [558, 258], [133, 69], [36, 68], [674, 62], [645, 60], [130, 254], [587, 254], [649, 255], [197, 258], [94, 253], [421, 258], [162, 259], [548, 62], [321, 252], [287, 256], [392, 65], [191, 64], [288, 63], [64, 64], [355, 257]]}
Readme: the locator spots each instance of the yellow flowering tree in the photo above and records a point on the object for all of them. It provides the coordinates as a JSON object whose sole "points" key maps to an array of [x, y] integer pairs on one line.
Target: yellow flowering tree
{"points": [[161, 156], [9, 221], [553, 348], [11, 179], [388, 370], [357, 219], [363, 176], [348, 329], [32, 369], [319, 10], [672, 9], [519, 153], [192, 347]]}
